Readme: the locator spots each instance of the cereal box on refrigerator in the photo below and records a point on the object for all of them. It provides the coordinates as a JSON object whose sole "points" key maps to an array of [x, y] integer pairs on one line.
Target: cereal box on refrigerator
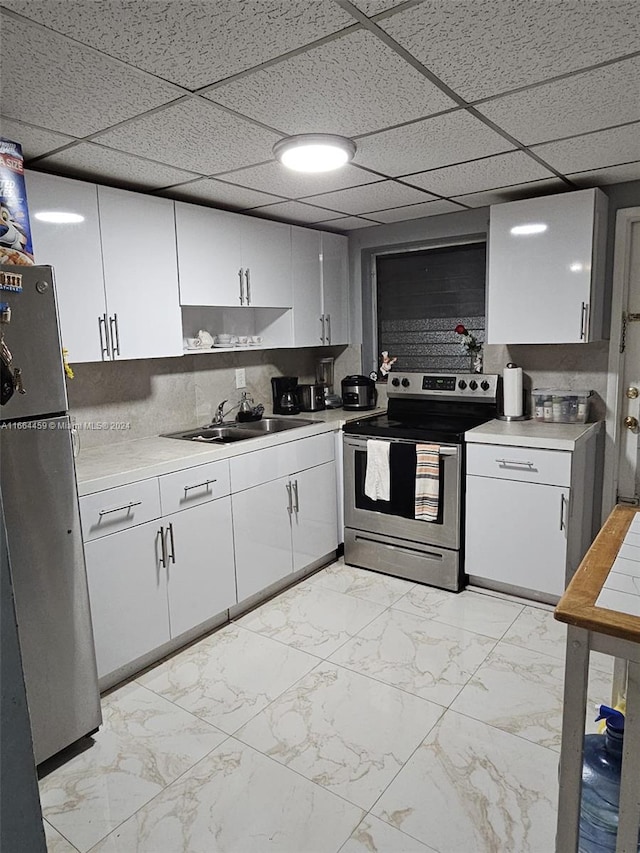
{"points": [[15, 233]]}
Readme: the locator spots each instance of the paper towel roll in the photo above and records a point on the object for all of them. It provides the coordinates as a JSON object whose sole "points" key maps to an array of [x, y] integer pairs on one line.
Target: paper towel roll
{"points": [[512, 391]]}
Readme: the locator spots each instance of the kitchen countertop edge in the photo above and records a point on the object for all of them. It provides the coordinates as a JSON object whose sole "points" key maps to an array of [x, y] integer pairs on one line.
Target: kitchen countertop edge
{"points": [[533, 434], [125, 462]]}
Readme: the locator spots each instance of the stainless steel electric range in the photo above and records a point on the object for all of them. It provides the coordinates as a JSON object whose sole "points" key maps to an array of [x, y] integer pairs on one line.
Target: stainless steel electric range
{"points": [[385, 535]]}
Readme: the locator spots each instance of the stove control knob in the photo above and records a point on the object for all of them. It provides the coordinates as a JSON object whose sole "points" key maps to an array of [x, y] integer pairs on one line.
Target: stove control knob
{"points": [[462, 384], [484, 385], [405, 383], [473, 385], [395, 381]]}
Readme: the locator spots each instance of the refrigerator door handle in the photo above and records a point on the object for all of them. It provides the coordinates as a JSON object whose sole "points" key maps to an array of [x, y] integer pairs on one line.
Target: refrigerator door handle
{"points": [[104, 337], [115, 339]]}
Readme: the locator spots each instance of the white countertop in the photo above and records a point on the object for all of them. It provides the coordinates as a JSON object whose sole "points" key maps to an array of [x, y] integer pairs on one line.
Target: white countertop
{"points": [[127, 461], [532, 434]]}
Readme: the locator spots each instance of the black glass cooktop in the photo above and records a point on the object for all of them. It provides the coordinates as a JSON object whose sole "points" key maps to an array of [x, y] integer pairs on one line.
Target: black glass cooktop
{"points": [[438, 429]]}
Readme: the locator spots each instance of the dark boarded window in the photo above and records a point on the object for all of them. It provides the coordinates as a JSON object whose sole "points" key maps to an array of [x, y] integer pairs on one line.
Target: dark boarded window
{"points": [[422, 296]]}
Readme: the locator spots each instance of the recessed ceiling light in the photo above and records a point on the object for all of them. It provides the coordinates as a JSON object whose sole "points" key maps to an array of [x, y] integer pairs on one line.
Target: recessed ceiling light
{"points": [[532, 228], [314, 152], [59, 217]]}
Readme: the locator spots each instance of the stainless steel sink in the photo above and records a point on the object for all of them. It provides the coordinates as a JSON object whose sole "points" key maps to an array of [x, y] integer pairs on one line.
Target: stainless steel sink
{"points": [[229, 432]]}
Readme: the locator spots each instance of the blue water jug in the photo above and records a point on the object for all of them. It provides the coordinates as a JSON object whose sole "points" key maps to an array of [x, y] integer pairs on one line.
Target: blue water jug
{"points": [[601, 766]]}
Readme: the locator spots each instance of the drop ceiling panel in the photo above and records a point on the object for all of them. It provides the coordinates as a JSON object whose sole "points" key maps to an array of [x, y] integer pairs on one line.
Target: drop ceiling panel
{"points": [[197, 135], [612, 175], [275, 178], [606, 148], [53, 82], [296, 211], [96, 163], [34, 140], [370, 197], [514, 167], [590, 101], [440, 141], [218, 193], [416, 211], [487, 47], [347, 223], [528, 190], [190, 42], [374, 7], [351, 85]]}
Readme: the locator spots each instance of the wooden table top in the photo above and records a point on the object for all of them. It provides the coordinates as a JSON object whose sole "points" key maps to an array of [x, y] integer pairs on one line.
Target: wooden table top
{"points": [[577, 605]]}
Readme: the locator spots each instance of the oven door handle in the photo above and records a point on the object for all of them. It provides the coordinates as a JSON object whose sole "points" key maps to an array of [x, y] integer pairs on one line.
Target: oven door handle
{"points": [[361, 444]]}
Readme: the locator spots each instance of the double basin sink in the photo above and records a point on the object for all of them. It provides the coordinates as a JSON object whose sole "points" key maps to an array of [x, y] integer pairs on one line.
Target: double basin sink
{"points": [[226, 433]]}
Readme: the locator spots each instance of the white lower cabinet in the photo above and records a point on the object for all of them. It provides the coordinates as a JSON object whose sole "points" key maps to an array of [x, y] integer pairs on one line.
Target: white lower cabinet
{"points": [[516, 533], [128, 594], [314, 523]]}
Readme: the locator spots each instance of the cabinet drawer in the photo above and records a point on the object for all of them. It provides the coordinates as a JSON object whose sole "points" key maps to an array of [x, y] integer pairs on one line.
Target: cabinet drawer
{"points": [[262, 466], [117, 509], [527, 464], [194, 486]]}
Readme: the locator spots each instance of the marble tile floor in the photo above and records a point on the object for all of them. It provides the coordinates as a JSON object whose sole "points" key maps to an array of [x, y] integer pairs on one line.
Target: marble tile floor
{"points": [[353, 713]]}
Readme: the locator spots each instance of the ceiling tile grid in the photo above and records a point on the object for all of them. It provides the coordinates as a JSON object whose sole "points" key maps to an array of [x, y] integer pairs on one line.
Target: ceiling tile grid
{"points": [[351, 85], [556, 86]]}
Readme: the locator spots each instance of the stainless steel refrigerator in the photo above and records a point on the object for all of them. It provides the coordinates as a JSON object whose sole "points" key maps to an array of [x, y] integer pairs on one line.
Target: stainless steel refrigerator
{"points": [[40, 498]]}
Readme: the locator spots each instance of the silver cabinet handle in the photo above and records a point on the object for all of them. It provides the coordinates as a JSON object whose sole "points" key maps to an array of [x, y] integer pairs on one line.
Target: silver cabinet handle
{"points": [[583, 321], [172, 555], [514, 462], [322, 332], [328, 316], [104, 341], [163, 549], [206, 484], [295, 492], [241, 286], [563, 503], [248, 281], [128, 508], [115, 339], [290, 507]]}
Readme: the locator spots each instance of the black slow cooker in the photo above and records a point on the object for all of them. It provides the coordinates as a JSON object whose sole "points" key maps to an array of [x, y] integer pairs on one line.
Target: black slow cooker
{"points": [[359, 392]]}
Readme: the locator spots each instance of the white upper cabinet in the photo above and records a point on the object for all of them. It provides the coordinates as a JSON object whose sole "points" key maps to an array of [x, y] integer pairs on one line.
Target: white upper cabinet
{"points": [[232, 260], [335, 287], [209, 255], [306, 253], [141, 276], [73, 249], [320, 288], [546, 265]]}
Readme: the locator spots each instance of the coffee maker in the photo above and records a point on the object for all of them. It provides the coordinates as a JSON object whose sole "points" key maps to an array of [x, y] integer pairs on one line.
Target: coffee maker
{"points": [[285, 400], [324, 376]]}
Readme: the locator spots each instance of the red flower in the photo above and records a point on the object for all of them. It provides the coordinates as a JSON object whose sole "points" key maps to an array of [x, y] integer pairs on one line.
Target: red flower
{"points": [[460, 329]]}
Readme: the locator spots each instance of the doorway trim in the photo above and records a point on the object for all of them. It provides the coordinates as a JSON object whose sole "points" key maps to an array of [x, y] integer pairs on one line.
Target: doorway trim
{"points": [[625, 219]]}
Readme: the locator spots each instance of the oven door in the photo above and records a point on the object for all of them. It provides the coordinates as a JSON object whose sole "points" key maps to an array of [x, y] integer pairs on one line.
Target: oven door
{"points": [[396, 517]]}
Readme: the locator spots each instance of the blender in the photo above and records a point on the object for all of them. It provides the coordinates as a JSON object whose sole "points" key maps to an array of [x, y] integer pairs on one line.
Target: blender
{"points": [[324, 376]]}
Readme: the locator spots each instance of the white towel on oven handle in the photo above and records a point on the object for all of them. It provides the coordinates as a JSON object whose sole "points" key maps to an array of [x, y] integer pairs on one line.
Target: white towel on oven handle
{"points": [[377, 481]]}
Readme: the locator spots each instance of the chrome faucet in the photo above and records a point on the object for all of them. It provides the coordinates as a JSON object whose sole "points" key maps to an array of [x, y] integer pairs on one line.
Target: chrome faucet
{"points": [[218, 419]]}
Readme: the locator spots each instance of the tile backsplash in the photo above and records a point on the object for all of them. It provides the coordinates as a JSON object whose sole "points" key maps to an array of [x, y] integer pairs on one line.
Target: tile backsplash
{"points": [[124, 400]]}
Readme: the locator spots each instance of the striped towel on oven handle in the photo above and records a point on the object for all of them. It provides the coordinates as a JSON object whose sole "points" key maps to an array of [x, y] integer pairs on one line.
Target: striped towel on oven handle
{"points": [[427, 481]]}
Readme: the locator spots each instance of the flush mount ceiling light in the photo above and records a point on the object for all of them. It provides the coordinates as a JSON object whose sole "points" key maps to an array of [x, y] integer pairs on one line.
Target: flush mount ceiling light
{"points": [[314, 152], [59, 217], [532, 228]]}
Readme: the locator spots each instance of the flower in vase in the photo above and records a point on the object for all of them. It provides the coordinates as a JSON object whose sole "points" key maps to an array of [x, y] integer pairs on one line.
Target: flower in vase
{"points": [[469, 341]]}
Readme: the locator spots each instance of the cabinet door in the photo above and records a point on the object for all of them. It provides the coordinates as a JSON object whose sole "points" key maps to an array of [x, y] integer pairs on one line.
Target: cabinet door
{"points": [[209, 255], [74, 251], [335, 287], [516, 533], [128, 594], [539, 283], [314, 519], [141, 273], [201, 571], [306, 248], [262, 536], [266, 259]]}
